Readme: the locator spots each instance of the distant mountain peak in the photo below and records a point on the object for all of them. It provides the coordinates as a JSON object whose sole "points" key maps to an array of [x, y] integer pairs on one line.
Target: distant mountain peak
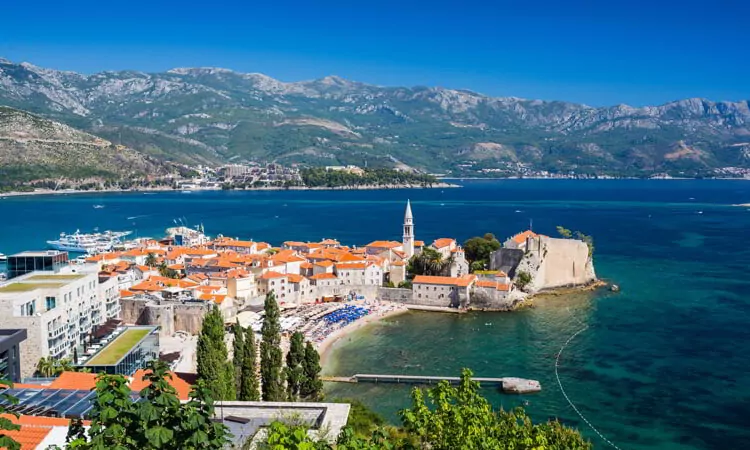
{"points": [[199, 70], [213, 114]]}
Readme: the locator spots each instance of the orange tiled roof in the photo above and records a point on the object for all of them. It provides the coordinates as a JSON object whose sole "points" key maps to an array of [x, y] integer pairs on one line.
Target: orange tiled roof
{"points": [[294, 278], [443, 242], [324, 263], [419, 243], [398, 263], [384, 244], [74, 380], [87, 381], [463, 281], [271, 274], [323, 276], [520, 238], [181, 386], [29, 436], [233, 243], [351, 266], [216, 298], [126, 293], [329, 242], [306, 265]]}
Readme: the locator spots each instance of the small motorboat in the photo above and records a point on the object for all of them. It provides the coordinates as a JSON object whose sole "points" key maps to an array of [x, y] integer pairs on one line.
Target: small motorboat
{"points": [[98, 206]]}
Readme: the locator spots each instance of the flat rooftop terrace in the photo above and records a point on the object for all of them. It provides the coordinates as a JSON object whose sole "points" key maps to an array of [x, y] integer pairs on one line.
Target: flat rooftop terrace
{"points": [[115, 350], [65, 277], [26, 287]]}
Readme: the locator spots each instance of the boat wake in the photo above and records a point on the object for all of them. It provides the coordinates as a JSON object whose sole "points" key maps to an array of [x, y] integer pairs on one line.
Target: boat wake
{"points": [[562, 389], [136, 217]]}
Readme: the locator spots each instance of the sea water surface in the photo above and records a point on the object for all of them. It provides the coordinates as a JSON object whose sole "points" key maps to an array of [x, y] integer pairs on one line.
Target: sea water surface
{"points": [[663, 364]]}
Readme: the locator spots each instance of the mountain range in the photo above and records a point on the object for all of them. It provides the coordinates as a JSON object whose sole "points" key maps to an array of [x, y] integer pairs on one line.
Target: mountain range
{"points": [[213, 115]]}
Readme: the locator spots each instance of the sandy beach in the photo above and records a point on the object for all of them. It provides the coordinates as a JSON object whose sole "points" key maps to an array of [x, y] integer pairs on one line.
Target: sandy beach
{"points": [[383, 310]]}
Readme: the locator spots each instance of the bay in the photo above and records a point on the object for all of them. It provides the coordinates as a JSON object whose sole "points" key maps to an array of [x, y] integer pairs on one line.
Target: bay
{"points": [[662, 364]]}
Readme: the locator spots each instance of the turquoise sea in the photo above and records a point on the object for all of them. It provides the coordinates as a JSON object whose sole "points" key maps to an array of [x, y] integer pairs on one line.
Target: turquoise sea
{"points": [[663, 364]]}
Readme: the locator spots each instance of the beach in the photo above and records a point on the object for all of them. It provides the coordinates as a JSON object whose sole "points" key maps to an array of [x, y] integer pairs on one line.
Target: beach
{"points": [[379, 310]]}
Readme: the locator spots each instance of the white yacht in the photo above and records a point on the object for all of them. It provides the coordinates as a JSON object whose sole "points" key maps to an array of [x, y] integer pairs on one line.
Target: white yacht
{"points": [[88, 243]]}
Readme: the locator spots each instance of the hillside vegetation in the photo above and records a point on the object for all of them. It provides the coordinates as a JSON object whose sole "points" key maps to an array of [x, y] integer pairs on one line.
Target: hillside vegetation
{"points": [[33, 148]]}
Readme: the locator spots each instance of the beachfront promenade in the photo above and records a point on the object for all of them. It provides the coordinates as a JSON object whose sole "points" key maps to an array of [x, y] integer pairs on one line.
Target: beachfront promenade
{"points": [[508, 384]]}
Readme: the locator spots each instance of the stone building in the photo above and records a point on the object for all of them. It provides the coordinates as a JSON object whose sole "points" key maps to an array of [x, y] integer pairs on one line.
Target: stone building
{"points": [[452, 292]]}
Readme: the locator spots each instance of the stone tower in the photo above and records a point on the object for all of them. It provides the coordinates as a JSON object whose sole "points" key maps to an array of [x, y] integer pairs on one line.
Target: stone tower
{"points": [[408, 242]]}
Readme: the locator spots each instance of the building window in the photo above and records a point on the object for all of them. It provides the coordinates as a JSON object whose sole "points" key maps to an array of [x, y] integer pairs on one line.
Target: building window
{"points": [[51, 302]]}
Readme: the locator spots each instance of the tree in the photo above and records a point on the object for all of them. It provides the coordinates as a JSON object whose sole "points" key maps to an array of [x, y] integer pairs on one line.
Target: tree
{"points": [[6, 424], [270, 352], [428, 262], [564, 232], [238, 353], [295, 374], [75, 431], [461, 418], [445, 418], [406, 284], [46, 367], [160, 421], [588, 240], [311, 387], [522, 279], [249, 387], [150, 260], [479, 249], [214, 369]]}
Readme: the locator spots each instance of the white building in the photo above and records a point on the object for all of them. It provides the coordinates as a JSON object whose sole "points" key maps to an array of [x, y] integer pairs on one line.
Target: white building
{"points": [[57, 310], [360, 274]]}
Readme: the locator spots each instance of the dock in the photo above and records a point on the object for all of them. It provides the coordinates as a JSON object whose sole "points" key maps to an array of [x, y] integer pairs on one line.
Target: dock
{"points": [[510, 385]]}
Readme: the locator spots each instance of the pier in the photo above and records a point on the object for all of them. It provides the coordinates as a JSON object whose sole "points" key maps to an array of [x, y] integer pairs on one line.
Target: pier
{"points": [[510, 385]]}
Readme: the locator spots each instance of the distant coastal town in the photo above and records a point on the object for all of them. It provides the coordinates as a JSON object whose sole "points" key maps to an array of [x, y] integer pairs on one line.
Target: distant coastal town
{"points": [[124, 303], [246, 176]]}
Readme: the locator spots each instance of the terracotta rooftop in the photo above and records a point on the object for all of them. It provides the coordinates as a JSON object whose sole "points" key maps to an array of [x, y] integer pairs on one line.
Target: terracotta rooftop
{"points": [[443, 242], [323, 276], [520, 238], [463, 281], [271, 274]]}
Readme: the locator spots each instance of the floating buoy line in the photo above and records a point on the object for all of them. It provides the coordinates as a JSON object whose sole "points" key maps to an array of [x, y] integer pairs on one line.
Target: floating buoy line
{"points": [[562, 389]]}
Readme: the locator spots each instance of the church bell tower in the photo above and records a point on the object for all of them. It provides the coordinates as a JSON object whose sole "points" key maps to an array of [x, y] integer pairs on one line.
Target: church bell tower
{"points": [[408, 242]]}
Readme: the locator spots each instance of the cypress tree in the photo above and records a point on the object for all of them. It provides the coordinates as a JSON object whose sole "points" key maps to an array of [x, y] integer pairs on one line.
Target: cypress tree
{"points": [[270, 353], [212, 355], [311, 388], [249, 388], [238, 354], [294, 371], [228, 382]]}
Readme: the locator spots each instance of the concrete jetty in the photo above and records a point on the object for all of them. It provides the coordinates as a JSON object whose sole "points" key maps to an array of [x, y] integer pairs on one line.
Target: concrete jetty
{"points": [[509, 385]]}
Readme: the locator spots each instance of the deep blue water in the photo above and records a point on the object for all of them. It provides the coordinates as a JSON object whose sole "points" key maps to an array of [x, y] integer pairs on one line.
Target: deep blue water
{"points": [[664, 363]]}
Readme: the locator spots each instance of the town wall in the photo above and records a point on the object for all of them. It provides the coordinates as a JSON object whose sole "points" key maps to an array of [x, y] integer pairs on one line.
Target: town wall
{"points": [[171, 317], [506, 259], [555, 263], [398, 295]]}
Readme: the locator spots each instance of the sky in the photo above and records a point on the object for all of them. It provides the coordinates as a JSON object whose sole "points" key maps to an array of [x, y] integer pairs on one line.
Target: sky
{"points": [[595, 52]]}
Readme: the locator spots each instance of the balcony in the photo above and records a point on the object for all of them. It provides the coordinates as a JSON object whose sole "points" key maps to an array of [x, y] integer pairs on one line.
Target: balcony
{"points": [[57, 332]]}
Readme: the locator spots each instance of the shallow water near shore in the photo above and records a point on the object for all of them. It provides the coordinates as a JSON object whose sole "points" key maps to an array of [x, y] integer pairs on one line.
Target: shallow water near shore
{"points": [[662, 365]]}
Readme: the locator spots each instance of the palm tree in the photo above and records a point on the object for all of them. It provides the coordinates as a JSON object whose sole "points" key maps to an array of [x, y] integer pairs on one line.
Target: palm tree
{"points": [[151, 260], [63, 365], [46, 367], [428, 262]]}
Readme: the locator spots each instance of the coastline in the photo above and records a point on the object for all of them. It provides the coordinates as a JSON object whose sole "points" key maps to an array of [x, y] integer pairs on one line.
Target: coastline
{"points": [[326, 346], [440, 185]]}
